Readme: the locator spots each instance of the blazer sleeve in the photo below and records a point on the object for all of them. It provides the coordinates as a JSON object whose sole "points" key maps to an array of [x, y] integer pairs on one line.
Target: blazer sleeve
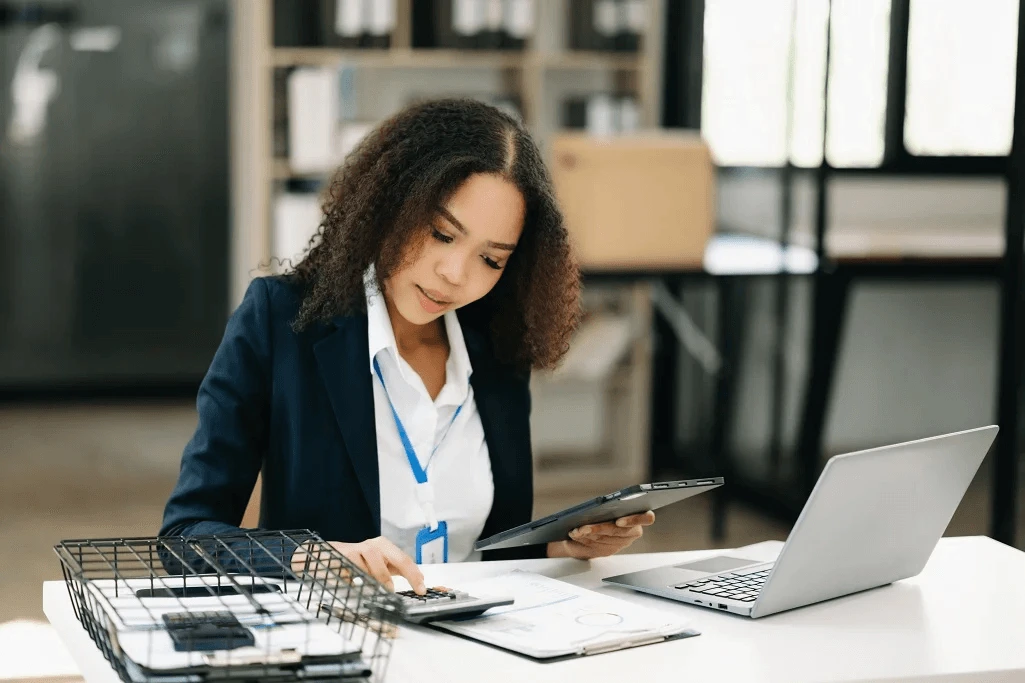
{"points": [[222, 460]]}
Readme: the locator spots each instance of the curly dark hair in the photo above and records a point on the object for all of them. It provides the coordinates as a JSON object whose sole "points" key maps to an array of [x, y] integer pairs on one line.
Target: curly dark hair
{"points": [[382, 200]]}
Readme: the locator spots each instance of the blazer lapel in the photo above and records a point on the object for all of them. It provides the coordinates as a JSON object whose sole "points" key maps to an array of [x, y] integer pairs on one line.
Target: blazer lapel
{"points": [[492, 407], [343, 356]]}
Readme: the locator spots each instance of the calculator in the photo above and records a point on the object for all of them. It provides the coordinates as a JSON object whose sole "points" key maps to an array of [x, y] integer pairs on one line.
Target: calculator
{"points": [[442, 603]]}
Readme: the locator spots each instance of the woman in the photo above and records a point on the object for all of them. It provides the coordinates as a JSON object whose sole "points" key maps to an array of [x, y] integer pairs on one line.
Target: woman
{"points": [[382, 384]]}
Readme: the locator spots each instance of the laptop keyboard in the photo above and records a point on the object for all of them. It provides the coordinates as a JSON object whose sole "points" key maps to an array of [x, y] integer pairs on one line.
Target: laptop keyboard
{"points": [[742, 587]]}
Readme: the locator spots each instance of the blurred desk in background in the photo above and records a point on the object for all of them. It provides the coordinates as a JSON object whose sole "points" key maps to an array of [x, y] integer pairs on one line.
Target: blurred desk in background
{"points": [[915, 256], [729, 261]]}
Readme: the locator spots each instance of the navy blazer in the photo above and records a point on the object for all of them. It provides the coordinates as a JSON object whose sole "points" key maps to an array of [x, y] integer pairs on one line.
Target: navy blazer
{"points": [[300, 407]]}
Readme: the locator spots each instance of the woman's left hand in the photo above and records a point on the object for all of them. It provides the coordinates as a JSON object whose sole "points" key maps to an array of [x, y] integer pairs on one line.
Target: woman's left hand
{"points": [[601, 540]]}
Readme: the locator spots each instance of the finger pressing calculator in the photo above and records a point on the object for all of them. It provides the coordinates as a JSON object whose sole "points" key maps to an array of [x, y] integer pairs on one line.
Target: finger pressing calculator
{"points": [[442, 603]]}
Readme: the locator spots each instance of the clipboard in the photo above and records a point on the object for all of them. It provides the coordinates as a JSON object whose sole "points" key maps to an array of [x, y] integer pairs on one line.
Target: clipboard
{"points": [[563, 658], [552, 621]]}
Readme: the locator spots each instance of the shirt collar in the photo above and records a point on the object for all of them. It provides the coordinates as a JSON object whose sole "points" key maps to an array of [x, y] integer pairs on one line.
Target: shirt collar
{"points": [[381, 337]]}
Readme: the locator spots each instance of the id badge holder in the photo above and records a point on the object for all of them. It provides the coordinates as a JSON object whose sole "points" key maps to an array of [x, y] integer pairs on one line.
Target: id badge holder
{"points": [[432, 546]]}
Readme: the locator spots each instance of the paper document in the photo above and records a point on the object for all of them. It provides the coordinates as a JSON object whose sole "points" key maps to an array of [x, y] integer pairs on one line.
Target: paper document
{"points": [[297, 217], [551, 618], [313, 105], [285, 631]]}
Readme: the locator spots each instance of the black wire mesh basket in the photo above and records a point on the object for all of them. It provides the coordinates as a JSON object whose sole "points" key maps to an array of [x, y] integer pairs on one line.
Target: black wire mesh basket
{"points": [[257, 606]]}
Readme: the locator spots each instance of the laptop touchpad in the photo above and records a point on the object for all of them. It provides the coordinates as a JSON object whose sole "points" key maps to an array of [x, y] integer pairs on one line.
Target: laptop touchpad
{"points": [[714, 565]]}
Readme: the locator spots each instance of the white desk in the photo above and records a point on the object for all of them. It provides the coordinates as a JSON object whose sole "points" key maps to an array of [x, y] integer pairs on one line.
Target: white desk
{"points": [[962, 619]]}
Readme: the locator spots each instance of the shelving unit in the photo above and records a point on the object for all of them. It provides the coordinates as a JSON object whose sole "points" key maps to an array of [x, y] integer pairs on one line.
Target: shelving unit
{"points": [[531, 74], [429, 58], [538, 76], [622, 459]]}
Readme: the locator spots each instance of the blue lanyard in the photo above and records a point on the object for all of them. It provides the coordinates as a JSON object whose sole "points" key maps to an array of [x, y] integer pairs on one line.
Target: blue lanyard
{"points": [[418, 472]]}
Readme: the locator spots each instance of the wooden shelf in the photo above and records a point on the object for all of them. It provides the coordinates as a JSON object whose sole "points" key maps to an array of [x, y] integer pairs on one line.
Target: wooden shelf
{"points": [[399, 58], [547, 69], [280, 170], [579, 60]]}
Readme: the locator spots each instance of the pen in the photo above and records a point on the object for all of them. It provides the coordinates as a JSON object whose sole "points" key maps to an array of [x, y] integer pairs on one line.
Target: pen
{"points": [[613, 645]]}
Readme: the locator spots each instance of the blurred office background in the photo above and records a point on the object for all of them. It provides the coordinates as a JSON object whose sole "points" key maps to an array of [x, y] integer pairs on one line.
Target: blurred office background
{"points": [[848, 284]]}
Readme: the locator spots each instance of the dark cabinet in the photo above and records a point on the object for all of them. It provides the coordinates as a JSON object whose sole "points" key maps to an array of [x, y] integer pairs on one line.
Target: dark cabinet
{"points": [[114, 190]]}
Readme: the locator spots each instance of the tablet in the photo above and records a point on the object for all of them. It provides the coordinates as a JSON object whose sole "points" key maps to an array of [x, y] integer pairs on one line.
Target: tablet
{"points": [[629, 501]]}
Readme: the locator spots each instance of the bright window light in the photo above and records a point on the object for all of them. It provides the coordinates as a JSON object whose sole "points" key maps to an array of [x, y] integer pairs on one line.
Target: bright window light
{"points": [[809, 80], [744, 92], [858, 65], [743, 102], [961, 73]]}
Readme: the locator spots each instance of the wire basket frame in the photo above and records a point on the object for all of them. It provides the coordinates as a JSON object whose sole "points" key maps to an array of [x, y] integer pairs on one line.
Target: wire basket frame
{"points": [[258, 605]]}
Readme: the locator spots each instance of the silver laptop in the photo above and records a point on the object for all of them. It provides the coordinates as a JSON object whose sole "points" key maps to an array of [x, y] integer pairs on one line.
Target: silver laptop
{"points": [[873, 518]]}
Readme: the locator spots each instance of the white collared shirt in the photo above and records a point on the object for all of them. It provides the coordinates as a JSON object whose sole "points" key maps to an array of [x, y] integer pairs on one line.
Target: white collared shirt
{"points": [[459, 471]]}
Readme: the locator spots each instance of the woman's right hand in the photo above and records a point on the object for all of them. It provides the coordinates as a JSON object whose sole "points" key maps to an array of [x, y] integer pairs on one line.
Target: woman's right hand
{"points": [[382, 559]]}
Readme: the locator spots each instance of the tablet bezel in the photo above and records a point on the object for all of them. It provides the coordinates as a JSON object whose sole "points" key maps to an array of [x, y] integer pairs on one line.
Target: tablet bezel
{"points": [[580, 514]]}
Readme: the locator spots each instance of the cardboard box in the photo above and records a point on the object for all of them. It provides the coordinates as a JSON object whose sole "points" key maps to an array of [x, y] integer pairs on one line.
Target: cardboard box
{"points": [[639, 201]]}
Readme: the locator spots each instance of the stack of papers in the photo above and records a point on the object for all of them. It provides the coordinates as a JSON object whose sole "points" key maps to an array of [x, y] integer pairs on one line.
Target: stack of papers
{"points": [[285, 633], [553, 619]]}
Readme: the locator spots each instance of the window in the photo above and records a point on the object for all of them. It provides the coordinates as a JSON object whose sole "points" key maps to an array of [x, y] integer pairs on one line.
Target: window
{"points": [[858, 64], [961, 77], [747, 47], [743, 102], [810, 23]]}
